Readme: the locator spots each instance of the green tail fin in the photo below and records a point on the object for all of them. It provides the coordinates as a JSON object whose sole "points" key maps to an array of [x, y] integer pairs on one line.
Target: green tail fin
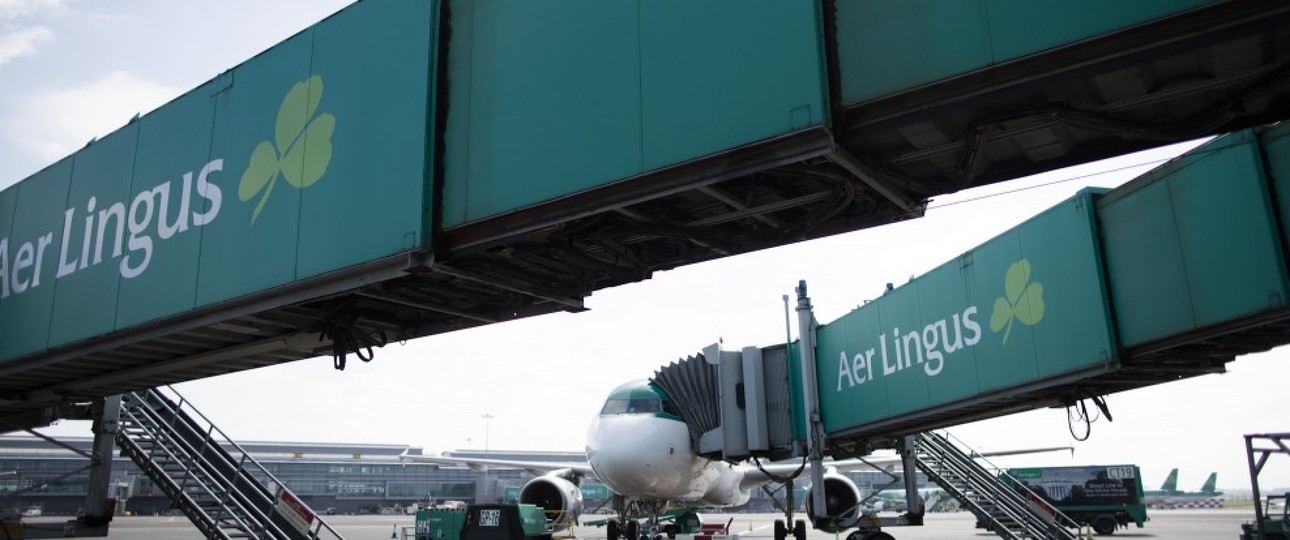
{"points": [[1171, 482], [1210, 482]]}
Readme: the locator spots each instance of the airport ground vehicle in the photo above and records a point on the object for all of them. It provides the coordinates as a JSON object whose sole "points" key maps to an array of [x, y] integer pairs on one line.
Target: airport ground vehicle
{"points": [[1103, 497], [1267, 524], [1276, 525]]}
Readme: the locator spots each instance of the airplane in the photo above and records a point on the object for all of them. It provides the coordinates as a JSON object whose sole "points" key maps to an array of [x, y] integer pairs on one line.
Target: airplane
{"points": [[640, 448], [1169, 494]]}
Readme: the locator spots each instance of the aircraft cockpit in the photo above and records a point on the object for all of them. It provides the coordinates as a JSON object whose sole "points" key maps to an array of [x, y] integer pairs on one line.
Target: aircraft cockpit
{"points": [[639, 398]]}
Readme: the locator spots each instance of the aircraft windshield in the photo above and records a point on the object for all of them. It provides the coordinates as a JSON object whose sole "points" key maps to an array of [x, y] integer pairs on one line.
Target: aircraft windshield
{"points": [[632, 406], [638, 397]]}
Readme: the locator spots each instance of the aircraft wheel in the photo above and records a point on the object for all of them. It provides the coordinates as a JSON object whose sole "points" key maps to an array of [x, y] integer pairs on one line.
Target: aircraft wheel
{"points": [[781, 531], [631, 530], [1104, 525], [670, 530], [879, 535], [611, 530], [857, 535], [799, 530]]}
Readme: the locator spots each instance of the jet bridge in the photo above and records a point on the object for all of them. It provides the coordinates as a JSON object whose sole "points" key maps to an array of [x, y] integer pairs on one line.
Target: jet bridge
{"points": [[479, 161], [1172, 275]]}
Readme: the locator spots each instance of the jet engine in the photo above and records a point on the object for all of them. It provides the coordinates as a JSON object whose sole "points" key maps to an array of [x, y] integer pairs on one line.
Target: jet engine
{"points": [[841, 503], [557, 495]]}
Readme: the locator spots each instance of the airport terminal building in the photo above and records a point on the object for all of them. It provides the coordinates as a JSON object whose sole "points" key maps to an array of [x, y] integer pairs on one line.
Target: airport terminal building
{"points": [[340, 478], [347, 478]]}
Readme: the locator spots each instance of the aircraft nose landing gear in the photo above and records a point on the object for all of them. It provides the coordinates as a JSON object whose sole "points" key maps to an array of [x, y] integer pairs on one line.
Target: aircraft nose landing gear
{"points": [[798, 531]]}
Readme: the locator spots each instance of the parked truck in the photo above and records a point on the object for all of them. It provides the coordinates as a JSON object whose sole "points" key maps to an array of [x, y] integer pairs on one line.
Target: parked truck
{"points": [[1103, 497]]}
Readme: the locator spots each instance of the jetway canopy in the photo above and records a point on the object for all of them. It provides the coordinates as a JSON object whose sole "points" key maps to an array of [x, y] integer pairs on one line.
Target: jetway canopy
{"points": [[477, 161]]}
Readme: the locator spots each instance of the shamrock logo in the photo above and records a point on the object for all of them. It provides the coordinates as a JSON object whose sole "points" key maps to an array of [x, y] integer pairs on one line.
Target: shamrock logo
{"points": [[1024, 301], [297, 130]]}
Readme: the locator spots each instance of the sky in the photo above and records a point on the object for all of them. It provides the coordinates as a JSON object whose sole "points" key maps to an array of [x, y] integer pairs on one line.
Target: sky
{"points": [[72, 70]]}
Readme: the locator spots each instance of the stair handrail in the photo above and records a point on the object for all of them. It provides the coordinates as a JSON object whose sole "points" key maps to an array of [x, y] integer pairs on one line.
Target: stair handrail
{"points": [[264, 514], [1001, 502], [1061, 520], [1017, 484], [241, 501], [198, 459], [322, 524], [1005, 501], [181, 490]]}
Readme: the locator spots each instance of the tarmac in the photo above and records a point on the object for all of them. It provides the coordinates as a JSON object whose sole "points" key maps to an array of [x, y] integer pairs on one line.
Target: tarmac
{"points": [[1192, 524]]}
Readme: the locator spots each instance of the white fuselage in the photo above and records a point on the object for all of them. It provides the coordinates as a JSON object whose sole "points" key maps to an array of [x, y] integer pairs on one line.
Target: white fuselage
{"points": [[645, 456]]}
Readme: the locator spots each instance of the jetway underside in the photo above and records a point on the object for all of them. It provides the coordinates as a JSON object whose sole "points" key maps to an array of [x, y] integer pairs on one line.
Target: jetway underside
{"points": [[1204, 72]]}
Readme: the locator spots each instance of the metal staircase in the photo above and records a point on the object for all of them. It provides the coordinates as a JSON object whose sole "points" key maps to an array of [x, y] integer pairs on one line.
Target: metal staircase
{"points": [[1004, 510], [226, 495]]}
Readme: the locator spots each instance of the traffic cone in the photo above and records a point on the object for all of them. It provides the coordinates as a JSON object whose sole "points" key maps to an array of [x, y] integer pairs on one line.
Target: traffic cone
{"points": [[395, 533]]}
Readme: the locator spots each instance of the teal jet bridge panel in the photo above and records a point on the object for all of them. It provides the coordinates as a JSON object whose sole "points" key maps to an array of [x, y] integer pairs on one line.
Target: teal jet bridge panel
{"points": [[30, 249], [549, 100], [309, 158], [1185, 251], [1022, 310], [885, 47]]}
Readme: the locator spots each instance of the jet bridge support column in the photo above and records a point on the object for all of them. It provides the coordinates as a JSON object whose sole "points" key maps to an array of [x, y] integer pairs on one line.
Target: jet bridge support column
{"points": [[99, 508], [811, 404], [909, 460]]}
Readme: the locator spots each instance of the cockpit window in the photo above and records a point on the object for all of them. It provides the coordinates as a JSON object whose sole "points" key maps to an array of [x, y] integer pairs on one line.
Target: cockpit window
{"points": [[632, 406], [615, 406], [639, 397]]}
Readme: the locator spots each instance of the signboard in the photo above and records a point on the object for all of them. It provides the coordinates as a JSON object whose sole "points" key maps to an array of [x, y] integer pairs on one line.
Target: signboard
{"points": [[309, 158], [1024, 308], [1081, 486], [295, 512]]}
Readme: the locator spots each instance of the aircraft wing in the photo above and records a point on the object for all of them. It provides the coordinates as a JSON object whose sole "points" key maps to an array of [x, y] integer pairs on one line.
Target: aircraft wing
{"points": [[536, 468]]}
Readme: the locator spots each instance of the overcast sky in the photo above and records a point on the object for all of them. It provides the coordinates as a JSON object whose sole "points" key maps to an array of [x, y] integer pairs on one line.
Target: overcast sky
{"points": [[71, 70]]}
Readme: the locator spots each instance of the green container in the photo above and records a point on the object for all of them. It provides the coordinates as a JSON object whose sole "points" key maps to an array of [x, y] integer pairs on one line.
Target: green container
{"points": [[1195, 243], [437, 524], [503, 522], [1026, 309]]}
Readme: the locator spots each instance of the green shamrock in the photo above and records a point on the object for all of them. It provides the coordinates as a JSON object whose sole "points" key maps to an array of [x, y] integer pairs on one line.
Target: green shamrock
{"points": [[303, 148], [1025, 300]]}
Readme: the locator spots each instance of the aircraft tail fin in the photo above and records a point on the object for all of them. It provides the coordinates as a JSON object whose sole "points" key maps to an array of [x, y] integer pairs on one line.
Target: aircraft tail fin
{"points": [[1210, 483], [1171, 482]]}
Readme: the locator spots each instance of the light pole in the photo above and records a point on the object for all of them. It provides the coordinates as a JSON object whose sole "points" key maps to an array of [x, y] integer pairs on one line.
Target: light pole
{"points": [[486, 418], [488, 489]]}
